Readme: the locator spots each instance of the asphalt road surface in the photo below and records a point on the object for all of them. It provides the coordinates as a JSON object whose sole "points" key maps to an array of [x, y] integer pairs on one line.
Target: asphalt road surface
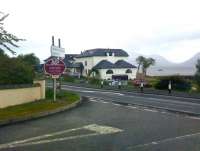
{"points": [[190, 106], [103, 123]]}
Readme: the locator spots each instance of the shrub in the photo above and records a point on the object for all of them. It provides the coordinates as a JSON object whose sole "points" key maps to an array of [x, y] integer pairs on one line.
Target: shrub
{"points": [[178, 83], [94, 81], [14, 71], [68, 78]]}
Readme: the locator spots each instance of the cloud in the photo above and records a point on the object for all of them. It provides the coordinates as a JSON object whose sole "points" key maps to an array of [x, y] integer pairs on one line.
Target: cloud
{"points": [[147, 27]]}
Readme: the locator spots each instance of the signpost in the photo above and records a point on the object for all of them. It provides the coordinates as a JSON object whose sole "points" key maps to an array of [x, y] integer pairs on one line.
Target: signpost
{"points": [[54, 67], [57, 51]]}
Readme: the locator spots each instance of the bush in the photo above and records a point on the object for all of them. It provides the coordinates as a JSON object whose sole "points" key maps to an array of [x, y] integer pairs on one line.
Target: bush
{"points": [[178, 83], [14, 71], [68, 78], [94, 81]]}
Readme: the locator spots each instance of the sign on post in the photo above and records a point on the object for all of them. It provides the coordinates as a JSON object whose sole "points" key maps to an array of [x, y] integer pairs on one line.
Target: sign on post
{"points": [[57, 52], [54, 67]]}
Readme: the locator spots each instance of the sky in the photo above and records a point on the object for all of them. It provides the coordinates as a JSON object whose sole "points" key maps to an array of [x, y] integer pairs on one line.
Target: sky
{"points": [[170, 28]]}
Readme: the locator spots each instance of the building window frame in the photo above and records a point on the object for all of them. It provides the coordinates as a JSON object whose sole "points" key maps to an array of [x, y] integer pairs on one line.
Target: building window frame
{"points": [[128, 71], [109, 71]]}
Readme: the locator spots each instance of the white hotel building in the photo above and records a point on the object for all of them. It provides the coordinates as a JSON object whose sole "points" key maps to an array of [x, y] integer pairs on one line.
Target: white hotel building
{"points": [[110, 63]]}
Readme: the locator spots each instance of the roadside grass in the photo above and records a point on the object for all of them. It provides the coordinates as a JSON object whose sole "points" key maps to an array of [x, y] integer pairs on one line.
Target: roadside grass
{"points": [[64, 98]]}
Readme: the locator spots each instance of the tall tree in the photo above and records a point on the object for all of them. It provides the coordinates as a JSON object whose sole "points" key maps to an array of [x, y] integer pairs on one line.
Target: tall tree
{"points": [[139, 61], [146, 64], [7, 40]]}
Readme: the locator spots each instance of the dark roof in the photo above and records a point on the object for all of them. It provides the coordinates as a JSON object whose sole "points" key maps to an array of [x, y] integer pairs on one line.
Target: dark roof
{"points": [[102, 52], [77, 65], [72, 65], [67, 63], [123, 64], [104, 64], [70, 57]]}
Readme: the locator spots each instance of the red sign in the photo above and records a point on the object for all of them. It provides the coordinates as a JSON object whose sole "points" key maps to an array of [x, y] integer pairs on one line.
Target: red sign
{"points": [[54, 66]]}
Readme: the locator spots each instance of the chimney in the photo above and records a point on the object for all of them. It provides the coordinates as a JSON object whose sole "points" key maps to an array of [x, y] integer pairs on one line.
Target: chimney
{"points": [[52, 40], [59, 45]]}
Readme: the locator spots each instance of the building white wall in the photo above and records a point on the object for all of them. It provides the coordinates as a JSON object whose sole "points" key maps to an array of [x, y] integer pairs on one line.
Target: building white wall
{"points": [[87, 67], [92, 61], [118, 71]]}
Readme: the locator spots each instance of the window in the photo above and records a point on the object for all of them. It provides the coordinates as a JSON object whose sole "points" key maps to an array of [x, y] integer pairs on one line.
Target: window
{"points": [[85, 63], [109, 72], [128, 71]]}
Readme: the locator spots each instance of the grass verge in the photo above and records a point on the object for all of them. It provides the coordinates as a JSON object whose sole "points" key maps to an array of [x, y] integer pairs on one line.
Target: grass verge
{"points": [[64, 98]]}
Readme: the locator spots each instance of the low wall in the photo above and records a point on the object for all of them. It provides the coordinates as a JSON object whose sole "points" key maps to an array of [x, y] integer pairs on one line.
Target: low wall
{"points": [[9, 97]]}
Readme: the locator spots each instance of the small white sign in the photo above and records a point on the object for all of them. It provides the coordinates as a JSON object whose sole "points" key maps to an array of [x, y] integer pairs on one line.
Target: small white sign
{"points": [[57, 52], [55, 76]]}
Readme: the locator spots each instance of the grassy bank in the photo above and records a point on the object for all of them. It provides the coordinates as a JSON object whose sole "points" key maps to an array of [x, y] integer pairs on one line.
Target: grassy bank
{"points": [[64, 98]]}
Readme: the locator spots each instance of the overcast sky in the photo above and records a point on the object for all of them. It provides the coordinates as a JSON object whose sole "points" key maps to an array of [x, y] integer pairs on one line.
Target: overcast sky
{"points": [[170, 28]]}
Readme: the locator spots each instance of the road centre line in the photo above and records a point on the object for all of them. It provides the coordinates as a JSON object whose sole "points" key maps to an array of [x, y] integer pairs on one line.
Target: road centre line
{"points": [[164, 141], [165, 100], [89, 90], [156, 100], [101, 100], [97, 129]]}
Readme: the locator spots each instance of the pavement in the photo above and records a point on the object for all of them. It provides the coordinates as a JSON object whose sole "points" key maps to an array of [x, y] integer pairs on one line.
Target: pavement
{"points": [[103, 123]]}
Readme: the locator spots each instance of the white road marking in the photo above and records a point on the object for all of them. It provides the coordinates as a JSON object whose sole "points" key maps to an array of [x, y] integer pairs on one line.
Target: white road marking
{"points": [[97, 129], [131, 93], [100, 100], [111, 93], [164, 141], [94, 100], [149, 110], [103, 101], [87, 91], [132, 107], [91, 90], [117, 104], [194, 118]]}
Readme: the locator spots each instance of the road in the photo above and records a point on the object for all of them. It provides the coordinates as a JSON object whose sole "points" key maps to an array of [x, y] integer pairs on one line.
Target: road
{"points": [[190, 106], [103, 123]]}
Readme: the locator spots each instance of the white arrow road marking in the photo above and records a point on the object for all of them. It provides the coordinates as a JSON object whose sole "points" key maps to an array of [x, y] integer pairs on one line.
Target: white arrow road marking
{"points": [[97, 129]]}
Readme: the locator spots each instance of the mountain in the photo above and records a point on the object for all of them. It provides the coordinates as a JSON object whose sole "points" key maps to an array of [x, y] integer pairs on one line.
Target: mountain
{"points": [[161, 61], [164, 67], [192, 61]]}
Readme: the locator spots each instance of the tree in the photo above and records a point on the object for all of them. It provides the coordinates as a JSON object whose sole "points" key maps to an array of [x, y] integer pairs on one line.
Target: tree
{"points": [[146, 64], [7, 40], [30, 59], [197, 74], [94, 73], [139, 61], [15, 71]]}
